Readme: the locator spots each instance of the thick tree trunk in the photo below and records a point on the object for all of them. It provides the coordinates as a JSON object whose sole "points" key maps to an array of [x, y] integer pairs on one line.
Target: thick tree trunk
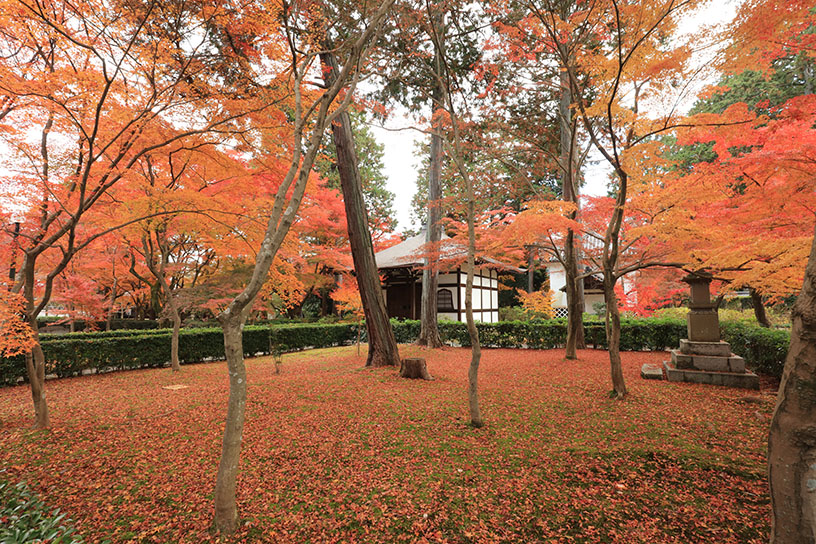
{"points": [[575, 306], [613, 334], [35, 360], [35, 368], [792, 437], [226, 511], [382, 346], [569, 185], [429, 325], [759, 308], [174, 341]]}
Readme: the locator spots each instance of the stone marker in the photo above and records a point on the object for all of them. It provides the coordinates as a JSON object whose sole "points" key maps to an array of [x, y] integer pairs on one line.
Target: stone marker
{"points": [[651, 372], [703, 357]]}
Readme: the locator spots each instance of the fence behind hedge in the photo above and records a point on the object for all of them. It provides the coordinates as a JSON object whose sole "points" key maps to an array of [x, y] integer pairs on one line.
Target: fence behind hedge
{"points": [[69, 355]]}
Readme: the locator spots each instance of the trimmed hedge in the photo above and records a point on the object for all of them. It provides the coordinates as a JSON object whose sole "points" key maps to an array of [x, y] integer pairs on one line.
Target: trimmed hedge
{"points": [[636, 334], [70, 355], [764, 349]]}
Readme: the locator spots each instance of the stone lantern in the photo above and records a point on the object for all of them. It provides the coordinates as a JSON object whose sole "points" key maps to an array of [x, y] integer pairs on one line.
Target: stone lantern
{"points": [[703, 357]]}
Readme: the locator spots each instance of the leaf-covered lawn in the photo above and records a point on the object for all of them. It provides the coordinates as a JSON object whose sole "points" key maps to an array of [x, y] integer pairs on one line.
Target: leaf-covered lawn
{"points": [[334, 452]]}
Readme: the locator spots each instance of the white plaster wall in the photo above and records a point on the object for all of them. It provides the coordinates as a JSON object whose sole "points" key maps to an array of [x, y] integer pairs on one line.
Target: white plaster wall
{"points": [[558, 279]]}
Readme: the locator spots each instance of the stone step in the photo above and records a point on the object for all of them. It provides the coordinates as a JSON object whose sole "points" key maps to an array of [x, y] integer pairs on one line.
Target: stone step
{"points": [[744, 380], [717, 349], [732, 363]]}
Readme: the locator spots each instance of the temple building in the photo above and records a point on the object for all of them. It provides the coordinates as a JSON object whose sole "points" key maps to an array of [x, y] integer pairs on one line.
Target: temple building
{"points": [[401, 268]]}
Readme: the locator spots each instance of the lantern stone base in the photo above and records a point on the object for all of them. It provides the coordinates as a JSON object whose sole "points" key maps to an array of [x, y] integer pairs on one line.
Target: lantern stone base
{"points": [[710, 363]]}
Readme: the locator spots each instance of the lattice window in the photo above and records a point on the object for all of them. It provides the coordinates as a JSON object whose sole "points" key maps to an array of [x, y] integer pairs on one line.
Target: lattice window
{"points": [[444, 301], [561, 312]]}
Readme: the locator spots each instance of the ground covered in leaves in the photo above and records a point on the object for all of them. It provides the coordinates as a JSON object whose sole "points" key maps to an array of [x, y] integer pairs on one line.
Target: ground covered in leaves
{"points": [[334, 452]]}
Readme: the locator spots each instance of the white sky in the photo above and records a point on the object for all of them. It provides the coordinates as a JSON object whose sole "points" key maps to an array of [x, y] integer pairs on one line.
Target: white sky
{"points": [[401, 166]]}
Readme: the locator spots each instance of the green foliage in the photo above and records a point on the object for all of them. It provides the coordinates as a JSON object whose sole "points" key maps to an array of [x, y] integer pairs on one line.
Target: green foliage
{"points": [[758, 90], [25, 519]]}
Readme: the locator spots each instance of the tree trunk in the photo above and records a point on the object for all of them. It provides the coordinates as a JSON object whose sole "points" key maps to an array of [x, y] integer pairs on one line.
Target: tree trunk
{"points": [[569, 185], [575, 306], [382, 346], [35, 360], [476, 349], [429, 325], [414, 368], [759, 309], [792, 437], [226, 510], [35, 367], [13, 265], [613, 334]]}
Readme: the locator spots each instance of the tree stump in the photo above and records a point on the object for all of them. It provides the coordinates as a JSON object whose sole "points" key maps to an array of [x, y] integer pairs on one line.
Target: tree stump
{"points": [[414, 368]]}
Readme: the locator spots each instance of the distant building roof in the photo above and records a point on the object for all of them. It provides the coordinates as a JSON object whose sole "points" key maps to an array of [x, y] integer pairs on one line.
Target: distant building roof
{"points": [[409, 254]]}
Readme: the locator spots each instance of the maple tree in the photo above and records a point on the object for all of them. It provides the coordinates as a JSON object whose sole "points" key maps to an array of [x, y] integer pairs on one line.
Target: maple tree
{"points": [[311, 116], [96, 113], [776, 159], [538, 303], [14, 330], [608, 83]]}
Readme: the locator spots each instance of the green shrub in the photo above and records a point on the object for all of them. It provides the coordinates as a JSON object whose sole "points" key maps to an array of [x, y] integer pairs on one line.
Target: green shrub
{"points": [[25, 519]]}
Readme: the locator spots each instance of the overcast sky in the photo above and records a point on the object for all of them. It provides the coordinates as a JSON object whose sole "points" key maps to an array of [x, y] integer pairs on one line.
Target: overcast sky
{"points": [[401, 166]]}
